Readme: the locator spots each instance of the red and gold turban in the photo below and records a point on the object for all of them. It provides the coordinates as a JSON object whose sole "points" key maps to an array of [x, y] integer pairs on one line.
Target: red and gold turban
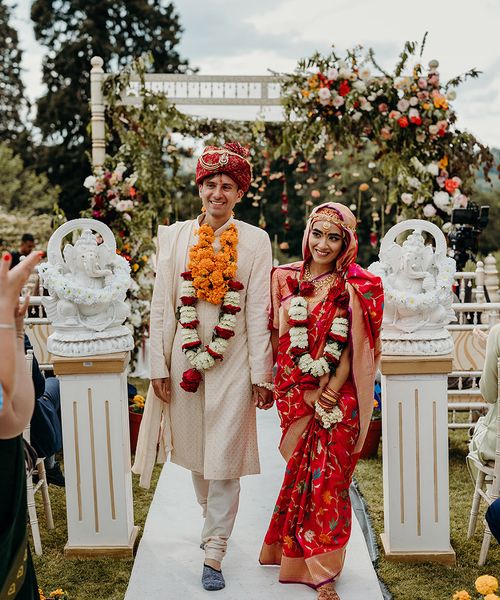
{"points": [[231, 159]]}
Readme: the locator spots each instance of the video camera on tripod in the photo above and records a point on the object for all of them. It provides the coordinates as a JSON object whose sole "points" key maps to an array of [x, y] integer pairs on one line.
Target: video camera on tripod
{"points": [[469, 223]]}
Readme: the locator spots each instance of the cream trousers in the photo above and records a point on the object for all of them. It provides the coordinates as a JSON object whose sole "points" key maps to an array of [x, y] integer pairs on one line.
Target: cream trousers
{"points": [[219, 499]]}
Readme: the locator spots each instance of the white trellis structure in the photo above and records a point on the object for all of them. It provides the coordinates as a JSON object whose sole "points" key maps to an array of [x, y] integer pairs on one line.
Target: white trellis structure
{"points": [[187, 91]]}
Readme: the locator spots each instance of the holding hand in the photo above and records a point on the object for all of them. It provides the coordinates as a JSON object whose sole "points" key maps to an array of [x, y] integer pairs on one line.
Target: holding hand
{"points": [[262, 397], [161, 388]]}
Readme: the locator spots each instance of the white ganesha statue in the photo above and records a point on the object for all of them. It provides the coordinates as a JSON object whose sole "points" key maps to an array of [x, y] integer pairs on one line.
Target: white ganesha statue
{"points": [[87, 283], [418, 280]]}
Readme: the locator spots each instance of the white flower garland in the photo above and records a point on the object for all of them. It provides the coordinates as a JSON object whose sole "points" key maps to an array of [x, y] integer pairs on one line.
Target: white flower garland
{"points": [[444, 283], [329, 418], [201, 359], [299, 339], [114, 291]]}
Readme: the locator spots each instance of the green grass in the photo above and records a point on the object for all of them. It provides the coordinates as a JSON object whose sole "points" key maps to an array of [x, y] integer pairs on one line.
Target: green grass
{"points": [[429, 581], [107, 578]]}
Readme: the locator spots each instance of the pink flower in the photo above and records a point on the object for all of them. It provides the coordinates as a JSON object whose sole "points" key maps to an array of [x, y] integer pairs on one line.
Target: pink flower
{"points": [[394, 114], [429, 210], [382, 107], [434, 80], [324, 95], [332, 74], [422, 95], [338, 101], [460, 201], [386, 133], [422, 83]]}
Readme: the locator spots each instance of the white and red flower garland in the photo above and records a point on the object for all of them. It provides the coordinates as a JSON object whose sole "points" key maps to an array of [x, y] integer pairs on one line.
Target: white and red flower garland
{"points": [[201, 358], [299, 342]]}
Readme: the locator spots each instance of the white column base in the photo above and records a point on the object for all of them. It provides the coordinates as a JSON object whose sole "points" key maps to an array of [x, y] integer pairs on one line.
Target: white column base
{"points": [[94, 408], [415, 458]]}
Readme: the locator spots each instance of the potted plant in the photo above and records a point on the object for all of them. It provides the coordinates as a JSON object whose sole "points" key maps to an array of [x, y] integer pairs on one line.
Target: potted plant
{"points": [[135, 412], [372, 440]]}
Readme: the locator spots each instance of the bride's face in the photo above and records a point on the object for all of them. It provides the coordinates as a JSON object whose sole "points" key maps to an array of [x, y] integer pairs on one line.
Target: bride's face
{"points": [[325, 243]]}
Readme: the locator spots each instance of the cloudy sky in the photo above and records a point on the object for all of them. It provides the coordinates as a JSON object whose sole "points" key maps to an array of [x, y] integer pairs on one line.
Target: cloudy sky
{"points": [[252, 36]]}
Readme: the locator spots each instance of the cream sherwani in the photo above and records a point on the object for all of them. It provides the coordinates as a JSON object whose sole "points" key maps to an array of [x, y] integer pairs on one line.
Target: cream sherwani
{"points": [[212, 431]]}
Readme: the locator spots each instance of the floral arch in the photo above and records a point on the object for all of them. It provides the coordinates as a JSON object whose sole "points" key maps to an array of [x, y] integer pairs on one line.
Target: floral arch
{"points": [[397, 130]]}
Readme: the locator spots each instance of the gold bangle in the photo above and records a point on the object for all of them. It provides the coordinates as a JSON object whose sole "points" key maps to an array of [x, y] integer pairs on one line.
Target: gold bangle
{"points": [[332, 393]]}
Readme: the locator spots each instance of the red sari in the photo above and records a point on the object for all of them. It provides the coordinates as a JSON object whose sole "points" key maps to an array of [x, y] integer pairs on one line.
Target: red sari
{"points": [[311, 523]]}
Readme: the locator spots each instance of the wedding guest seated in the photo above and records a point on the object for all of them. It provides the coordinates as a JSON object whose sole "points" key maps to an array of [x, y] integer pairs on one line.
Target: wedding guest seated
{"points": [[46, 428], [483, 443]]}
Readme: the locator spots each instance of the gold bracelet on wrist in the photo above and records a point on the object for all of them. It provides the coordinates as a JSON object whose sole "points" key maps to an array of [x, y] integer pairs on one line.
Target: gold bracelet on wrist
{"points": [[329, 393]]}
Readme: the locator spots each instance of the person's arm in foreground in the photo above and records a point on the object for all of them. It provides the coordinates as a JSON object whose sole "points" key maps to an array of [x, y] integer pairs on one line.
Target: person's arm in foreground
{"points": [[17, 387]]}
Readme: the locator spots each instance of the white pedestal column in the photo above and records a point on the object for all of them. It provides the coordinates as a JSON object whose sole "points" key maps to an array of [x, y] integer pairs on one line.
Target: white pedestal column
{"points": [[415, 458], [94, 407]]}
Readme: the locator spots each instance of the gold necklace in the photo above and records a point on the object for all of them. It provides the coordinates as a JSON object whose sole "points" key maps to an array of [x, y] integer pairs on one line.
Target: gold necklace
{"points": [[319, 284]]}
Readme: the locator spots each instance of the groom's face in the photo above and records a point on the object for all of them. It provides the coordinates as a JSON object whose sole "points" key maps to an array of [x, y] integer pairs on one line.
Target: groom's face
{"points": [[219, 194]]}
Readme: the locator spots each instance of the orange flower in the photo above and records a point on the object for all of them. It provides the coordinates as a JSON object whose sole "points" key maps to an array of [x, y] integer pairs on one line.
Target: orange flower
{"points": [[327, 497], [288, 541], [443, 163], [324, 538], [440, 102], [211, 271]]}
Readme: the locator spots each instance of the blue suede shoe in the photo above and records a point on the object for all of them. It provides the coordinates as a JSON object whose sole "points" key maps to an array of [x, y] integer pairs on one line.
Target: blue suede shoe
{"points": [[212, 579]]}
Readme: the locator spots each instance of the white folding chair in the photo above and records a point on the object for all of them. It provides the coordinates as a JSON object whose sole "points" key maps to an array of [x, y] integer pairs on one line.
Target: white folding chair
{"points": [[487, 486], [40, 485]]}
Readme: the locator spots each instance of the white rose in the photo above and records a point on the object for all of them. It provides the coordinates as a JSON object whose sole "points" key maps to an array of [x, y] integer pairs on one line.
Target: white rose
{"points": [[441, 200], [359, 86], [89, 182], [364, 73], [433, 169], [429, 210], [332, 74], [407, 198], [433, 129], [344, 73], [413, 101], [403, 105]]}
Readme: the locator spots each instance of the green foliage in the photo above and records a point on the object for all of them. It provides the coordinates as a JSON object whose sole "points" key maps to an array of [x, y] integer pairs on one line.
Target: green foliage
{"points": [[73, 31], [12, 100], [21, 189]]}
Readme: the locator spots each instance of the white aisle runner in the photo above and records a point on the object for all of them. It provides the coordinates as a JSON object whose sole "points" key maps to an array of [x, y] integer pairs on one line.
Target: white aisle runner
{"points": [[169, 561]]}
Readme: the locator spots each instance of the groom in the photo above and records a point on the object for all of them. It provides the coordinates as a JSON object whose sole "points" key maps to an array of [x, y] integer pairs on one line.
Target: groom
{"points": [[210, 349]]}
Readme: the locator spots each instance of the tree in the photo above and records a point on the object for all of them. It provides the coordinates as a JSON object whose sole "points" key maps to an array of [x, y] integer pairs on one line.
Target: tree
{"points": [[12, 99], [74, 31], [21, 190]]}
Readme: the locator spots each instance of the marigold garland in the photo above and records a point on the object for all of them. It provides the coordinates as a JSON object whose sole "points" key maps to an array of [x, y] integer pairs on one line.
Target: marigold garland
{"points": [[211, 271]]}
